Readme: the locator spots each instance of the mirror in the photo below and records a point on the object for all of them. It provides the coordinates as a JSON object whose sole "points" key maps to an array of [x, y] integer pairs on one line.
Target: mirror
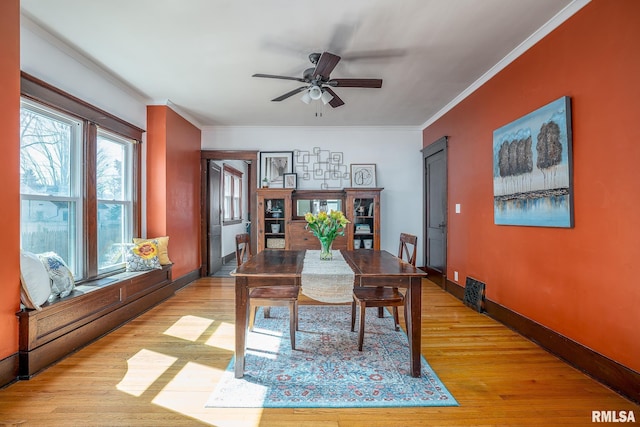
{"points": [[317, 205]]}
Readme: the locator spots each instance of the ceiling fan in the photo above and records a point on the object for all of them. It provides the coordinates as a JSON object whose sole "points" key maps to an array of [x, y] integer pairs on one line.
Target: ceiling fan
{"points": [[319, 84]]}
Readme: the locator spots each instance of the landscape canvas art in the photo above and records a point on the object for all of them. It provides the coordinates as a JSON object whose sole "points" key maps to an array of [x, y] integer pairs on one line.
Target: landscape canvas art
{"points": [[532, 168]]}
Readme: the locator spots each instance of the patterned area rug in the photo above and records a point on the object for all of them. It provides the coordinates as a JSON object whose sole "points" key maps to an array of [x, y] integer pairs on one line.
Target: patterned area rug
{"points": [[326, 370]]}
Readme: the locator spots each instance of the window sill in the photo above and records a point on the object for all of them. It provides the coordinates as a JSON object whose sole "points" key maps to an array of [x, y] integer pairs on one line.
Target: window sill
{"points": [[232, 222]]}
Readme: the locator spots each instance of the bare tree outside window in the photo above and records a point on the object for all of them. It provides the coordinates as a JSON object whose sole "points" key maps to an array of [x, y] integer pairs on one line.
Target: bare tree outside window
{"points": [[50, 197]]}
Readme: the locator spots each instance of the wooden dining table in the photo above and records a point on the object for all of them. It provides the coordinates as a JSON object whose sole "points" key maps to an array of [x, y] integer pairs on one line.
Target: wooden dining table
{"points": [[370, 268]]}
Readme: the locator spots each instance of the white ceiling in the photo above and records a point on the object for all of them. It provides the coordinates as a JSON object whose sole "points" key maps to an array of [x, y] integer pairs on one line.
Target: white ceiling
{"points": [[199, 55]]}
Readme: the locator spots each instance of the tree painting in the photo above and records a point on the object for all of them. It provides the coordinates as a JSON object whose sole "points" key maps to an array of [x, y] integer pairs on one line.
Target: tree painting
{"points": [[532, 177]]}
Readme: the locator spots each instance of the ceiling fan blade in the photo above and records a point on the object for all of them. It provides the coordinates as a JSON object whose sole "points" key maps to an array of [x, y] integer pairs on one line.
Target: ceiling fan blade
{"points": [[336, 101], [289, 94], [326, 64], [368, 83], [272, 76]]}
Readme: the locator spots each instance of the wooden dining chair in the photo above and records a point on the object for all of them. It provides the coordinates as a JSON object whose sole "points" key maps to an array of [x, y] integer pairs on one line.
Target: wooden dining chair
{"points": [[383, 296], [268, 296]]}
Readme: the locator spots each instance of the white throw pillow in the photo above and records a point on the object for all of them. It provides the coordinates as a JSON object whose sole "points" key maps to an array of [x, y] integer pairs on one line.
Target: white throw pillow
{"points": [[36, 284], [62, 282]]}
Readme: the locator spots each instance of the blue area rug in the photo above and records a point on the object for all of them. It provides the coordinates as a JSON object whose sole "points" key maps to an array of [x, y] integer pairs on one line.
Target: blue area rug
{"points": [[326, 370]]}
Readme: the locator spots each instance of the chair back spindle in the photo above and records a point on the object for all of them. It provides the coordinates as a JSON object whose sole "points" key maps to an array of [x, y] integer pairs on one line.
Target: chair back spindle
{"points": [[243, 248], [408, 248]]}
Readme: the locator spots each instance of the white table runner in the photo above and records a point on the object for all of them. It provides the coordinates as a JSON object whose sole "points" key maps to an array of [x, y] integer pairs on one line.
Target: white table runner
{"points": [[327, 281]]}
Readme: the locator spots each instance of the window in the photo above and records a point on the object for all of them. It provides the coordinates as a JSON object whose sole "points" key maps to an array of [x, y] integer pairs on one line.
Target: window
{"points": [[232, 182], [114, 195], [78, 180], [51, 206]]}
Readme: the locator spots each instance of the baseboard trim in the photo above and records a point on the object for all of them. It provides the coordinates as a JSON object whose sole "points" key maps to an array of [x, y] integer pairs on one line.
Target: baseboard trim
{"points": [[9, 370], [435, 276], [610, 373], [183, 281], [229, 258]]}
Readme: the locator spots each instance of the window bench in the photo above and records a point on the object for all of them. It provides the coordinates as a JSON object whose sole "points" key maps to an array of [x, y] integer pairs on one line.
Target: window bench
{"points": [[93, 309]]}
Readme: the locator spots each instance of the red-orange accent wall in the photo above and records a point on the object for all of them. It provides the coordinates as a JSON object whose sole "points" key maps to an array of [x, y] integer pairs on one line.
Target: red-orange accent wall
{"points": [[10, 175], [173, 186], [580, 282]]}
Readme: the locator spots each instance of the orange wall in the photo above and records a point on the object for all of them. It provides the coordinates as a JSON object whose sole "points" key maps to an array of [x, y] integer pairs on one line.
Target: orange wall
{"points": [[173, 186], [10, 175], [579, 282]]}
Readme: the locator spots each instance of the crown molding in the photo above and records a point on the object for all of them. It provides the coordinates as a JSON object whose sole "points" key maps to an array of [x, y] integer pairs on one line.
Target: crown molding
{"points": [[534, 38]]}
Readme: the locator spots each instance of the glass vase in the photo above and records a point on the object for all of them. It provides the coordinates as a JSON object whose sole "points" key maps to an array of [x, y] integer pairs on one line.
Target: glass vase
{"points": [[325, 249]]}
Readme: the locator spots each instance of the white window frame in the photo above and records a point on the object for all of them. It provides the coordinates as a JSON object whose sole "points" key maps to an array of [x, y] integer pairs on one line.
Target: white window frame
{"points": [[232, 195], [126, 201], [76, 245]]}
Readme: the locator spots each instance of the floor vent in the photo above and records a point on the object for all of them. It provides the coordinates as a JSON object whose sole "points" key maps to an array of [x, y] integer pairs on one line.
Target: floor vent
{"points": [[474, 294]]}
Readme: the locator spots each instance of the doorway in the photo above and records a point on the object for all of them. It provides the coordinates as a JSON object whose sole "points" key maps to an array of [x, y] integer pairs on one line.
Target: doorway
{"points": [[436, 202], [207, 187], [214, 260]]}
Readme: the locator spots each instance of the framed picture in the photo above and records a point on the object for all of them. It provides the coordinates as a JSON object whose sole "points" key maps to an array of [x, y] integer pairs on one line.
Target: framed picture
{"points": [[290, 180], [532, 168], [273, 166], [363, 175]]}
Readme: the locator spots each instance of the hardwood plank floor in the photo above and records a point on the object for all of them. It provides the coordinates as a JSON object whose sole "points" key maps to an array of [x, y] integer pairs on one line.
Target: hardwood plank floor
{"points": [[160, 368]]}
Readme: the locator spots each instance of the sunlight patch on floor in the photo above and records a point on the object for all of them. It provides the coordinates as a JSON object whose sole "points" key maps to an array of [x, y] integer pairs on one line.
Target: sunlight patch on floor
{"points": [[223, 337], [266, 340], [189, 328], [188, 392], [143, 369]]}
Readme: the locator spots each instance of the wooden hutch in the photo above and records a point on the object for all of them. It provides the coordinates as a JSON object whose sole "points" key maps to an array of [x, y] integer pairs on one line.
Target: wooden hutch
{"points": [[281, 223]]}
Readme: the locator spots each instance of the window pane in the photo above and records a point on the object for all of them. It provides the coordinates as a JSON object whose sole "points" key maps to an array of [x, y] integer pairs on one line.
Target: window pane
{"points": [[111, 168], [50, 205], [46, 153], [114, 192], [236, 197], [226, 208], [50, 226], [112, 235]]}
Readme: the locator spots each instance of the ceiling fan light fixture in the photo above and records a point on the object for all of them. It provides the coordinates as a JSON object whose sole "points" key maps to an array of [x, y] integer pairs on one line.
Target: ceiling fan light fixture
{"points": [[326, 97], [315, 92], [306, 98]]}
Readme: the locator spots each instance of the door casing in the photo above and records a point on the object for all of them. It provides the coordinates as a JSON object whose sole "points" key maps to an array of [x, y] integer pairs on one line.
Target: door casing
{"points": [[251, 157], [436, 232]]}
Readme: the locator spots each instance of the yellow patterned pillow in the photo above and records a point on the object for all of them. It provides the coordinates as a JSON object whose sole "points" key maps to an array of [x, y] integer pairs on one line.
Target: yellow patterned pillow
{"points": [[143, 256], [163, 248]]}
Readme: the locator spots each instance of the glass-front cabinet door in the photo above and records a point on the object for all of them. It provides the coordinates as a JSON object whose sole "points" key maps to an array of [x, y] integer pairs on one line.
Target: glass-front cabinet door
{"points": [[274, 208], [363, 210]]}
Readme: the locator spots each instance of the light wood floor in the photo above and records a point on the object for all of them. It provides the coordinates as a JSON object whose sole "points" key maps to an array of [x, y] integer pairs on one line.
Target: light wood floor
{"points": [[159, 370]]}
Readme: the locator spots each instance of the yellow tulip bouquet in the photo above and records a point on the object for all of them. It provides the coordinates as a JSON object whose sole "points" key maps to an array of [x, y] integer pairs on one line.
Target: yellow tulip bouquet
{"points": [[326, 227]]}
